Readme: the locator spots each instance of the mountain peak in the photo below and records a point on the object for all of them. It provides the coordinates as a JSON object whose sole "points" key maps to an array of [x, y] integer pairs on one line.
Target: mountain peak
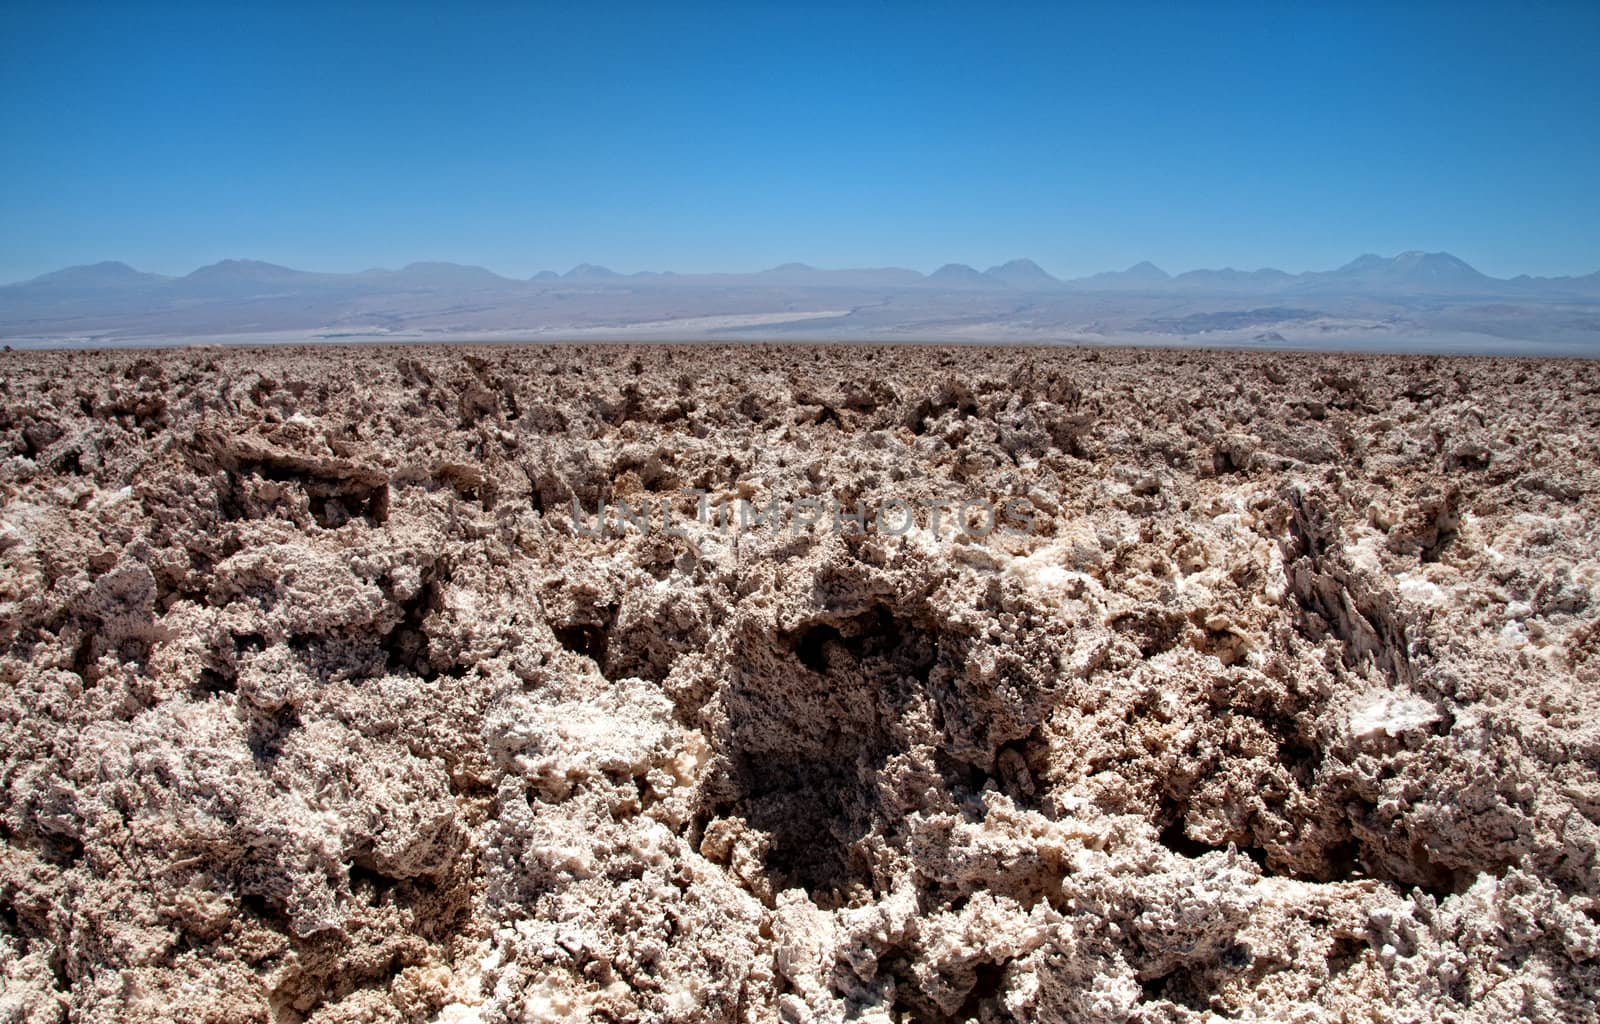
{"points": [[1417, 258], [105, 270], [1365, 262], [1022, 273], [433, 275], [1413, 267], [1143, 274], [590, 271], [105, 276], [960, 275], [105, 267], [1144, 270], [241, 269]]}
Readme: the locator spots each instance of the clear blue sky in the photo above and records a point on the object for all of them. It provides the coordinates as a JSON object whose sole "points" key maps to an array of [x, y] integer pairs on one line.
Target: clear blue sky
{"points": [[712, 137]]}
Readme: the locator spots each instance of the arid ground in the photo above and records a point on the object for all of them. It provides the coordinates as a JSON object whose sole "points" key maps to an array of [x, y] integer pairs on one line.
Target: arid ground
{"points": [[1273, 693]]}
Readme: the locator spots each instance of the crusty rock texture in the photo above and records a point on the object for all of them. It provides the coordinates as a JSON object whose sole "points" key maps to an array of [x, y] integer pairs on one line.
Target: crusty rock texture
{"points": [[318, 702]]}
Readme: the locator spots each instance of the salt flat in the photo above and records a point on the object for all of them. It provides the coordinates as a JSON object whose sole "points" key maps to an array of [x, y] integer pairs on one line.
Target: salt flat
{"points": [[1280, 701]]}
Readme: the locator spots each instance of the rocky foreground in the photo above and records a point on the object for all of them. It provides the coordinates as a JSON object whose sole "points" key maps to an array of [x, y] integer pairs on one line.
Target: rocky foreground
{"points": [[565, 684]]}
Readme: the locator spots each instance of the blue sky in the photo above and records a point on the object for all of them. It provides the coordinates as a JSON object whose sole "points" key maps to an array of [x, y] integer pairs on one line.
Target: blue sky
{"points": [[738, 136]]}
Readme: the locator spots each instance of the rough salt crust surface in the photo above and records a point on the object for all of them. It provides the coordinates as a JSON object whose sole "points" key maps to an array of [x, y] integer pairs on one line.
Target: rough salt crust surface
{"points": [[316, 706]]}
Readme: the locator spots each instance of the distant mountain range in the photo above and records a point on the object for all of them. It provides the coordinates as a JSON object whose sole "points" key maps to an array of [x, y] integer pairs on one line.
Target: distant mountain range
{"points": [[1139, 277], [1413, 294], [1409, 272]]}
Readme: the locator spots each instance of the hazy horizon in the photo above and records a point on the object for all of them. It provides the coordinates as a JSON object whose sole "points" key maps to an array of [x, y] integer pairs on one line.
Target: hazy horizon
{"points": [[620, 270], [1413, 301]]}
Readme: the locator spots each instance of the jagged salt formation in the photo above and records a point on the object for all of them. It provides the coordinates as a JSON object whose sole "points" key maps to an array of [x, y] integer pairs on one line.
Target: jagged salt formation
{"points": [[319, 706]]}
